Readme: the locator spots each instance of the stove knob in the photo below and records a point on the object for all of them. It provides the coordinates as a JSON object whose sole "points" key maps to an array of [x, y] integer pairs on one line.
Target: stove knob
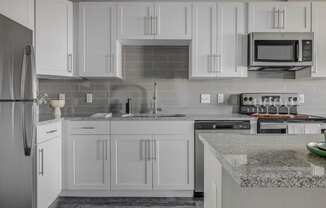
{"points": [[245, 99], [295, 99], [250, 99]]}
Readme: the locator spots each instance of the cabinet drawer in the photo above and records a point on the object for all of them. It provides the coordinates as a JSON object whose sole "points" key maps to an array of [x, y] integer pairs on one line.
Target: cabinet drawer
{"points": [[152, 127], [48, 131], [88, 127]]}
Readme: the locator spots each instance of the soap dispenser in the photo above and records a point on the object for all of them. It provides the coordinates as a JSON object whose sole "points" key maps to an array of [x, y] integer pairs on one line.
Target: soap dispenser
{"points": [[128, 106]]}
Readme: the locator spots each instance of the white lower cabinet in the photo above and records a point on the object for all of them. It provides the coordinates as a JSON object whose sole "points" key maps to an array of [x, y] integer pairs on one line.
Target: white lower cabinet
{"points": [[131, 165], [48, 164], [89, 159], [129, 157], [172, 162]]}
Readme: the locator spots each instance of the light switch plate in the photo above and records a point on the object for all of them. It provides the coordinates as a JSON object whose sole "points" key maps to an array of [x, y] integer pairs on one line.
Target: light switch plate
{"points": [[89, 98], [62, 96], [220, 98], [205, 98]]}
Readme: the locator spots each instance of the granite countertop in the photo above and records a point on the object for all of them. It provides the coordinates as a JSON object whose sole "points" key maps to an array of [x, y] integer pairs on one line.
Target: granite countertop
{"points": [[188, 117], [269, 161], [47, 118]]}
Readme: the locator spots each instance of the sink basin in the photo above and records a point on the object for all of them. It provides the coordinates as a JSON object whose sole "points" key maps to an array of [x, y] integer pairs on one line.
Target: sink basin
{"points": [[158, 115]]}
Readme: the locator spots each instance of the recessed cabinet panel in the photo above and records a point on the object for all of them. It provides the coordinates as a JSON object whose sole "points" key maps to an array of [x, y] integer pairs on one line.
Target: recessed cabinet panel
{"points": [[172, 174], [89, 162], [48, 171], [204, 40], [172, 20], [135, 20], [53, 37], [131, 162], [279, 16], [232, 39], [319, 29], [97, 39]]}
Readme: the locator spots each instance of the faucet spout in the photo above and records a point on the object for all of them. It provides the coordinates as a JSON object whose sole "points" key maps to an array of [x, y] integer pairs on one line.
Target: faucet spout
{"points": [[155, 99]]}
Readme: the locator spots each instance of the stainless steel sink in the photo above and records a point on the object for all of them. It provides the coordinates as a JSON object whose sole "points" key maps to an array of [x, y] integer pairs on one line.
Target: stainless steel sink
{"points": [[157, 115]]}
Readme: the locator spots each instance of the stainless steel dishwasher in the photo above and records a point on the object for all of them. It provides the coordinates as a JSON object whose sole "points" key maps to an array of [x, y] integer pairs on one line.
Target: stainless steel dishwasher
{"points": [[213, 126]]}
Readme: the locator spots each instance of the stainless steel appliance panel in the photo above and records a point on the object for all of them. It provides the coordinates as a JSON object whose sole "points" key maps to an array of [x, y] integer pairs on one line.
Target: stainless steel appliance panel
{"points": [[17, 188], [17, 70]]}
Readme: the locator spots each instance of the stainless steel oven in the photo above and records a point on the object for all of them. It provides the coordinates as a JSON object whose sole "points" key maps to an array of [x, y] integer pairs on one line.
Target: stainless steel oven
{"points": [[280, 49]]}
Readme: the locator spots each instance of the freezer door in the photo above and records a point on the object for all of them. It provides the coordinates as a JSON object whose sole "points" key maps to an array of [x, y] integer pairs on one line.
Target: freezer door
{"points": [[17, 68], [17, 137]]}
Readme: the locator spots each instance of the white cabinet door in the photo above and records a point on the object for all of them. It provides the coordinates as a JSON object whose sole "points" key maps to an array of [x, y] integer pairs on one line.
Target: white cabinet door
{"points": [[264, 17], [204, 40], [296, 128], [279, 17], [319, 29], [131, 166], [135, 20], [172, 20], [21, 11], [48, 171], [297, 16], [312, 128], [88, 162], [172, 162], [231, 41], [97, 38], [53, 37]]}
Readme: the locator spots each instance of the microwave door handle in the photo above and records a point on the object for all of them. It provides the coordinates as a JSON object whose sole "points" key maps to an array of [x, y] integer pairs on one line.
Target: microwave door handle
{"points": [[299, 51]]}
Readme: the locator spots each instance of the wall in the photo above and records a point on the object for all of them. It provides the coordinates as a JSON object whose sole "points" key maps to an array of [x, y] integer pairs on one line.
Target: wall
{"points": [[168, 66]]}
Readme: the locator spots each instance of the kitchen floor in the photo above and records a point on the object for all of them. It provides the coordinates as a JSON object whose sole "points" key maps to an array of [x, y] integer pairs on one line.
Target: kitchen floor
{"points": [[119, 202]]}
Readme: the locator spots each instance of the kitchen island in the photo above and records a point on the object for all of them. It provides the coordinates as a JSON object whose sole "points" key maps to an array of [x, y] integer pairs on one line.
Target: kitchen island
{"points": [[269, 171]]}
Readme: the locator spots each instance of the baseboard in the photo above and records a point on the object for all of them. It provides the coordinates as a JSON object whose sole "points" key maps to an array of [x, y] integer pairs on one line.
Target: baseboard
{"points": [[151, 193]]}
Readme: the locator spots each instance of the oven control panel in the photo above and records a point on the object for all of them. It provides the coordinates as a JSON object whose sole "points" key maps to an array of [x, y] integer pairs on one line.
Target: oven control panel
{"points": [[254, 99]]}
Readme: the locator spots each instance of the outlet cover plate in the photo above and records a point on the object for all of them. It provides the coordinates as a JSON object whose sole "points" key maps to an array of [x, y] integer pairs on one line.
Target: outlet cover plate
{"points": [[205, 98], [89, 98]]}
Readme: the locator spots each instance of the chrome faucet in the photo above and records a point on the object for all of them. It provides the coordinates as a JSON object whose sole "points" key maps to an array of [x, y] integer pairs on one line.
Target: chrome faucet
{"points": [[155, 99]]}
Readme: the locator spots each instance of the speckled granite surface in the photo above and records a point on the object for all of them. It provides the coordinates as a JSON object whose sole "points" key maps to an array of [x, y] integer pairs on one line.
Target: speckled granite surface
{"points": [[269, 161]]}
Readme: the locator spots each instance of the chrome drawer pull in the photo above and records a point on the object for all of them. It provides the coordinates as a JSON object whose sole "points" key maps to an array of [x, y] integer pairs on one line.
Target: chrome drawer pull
{"points": [[51, 131], [87, 127]]}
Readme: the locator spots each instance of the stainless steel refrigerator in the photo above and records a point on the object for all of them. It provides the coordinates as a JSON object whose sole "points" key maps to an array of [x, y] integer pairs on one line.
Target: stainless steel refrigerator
{"points": [[18, 86]]}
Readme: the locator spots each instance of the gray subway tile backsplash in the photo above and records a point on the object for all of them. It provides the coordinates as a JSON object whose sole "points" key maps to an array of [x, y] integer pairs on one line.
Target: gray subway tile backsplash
{"points": [[168, 65]]}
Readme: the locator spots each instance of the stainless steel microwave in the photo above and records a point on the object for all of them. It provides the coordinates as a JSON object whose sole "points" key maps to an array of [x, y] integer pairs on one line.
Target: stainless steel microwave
{"points": [[273, 49]]}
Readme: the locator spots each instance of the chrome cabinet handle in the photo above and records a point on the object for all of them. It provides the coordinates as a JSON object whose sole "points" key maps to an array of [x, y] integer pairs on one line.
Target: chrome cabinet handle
{"points": [[188, 169], [51, 131], [69, 62], [105, 142], [87, 127], [41, 162], [283, 20], [155, 149], [274, 18]]}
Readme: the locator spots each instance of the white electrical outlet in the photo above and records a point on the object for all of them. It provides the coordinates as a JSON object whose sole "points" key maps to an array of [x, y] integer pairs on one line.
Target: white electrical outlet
{"points": [[89, 98], [62, 96], [205, 98], [220, 98]]}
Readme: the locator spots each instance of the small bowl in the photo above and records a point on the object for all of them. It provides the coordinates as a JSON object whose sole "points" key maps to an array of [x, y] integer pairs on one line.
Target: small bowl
{"points": [[57, 103]]}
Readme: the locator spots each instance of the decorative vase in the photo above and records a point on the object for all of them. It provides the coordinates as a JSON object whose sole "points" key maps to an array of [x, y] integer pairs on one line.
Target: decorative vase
{"points": [[57, 105]]}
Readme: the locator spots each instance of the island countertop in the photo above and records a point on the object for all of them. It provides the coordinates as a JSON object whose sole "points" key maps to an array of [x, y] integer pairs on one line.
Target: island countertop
{"points": [[268, 161]]}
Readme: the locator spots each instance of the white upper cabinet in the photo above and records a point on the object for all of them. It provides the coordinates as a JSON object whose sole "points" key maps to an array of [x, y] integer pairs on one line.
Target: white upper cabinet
{"points": [[172, 20], [21, 11], [319, 29], [54, 35], [135, 20], [219, 40], [98, 52], [160, 20], [204, 40], [231, 58], [279, 17]]}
